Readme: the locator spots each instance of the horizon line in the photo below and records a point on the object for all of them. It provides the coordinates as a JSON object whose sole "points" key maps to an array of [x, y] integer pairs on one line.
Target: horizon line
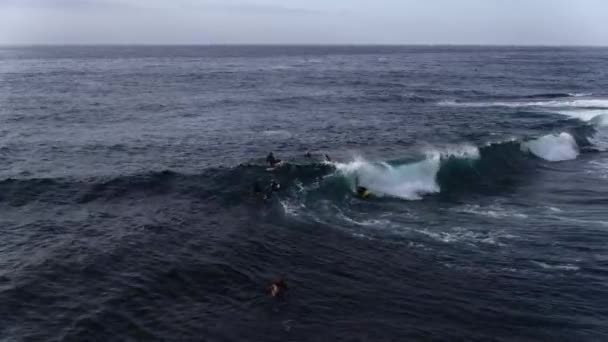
{"points": [[300, 45]]}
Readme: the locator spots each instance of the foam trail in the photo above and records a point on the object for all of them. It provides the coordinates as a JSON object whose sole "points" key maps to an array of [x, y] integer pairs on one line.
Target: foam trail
{"points": [[580, 103], [553, 147], [586, 114], [567, 267]]}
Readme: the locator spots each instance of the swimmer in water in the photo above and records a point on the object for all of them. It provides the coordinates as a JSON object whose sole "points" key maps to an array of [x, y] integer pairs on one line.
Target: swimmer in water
{"points": [[274, 186], [278, 288]]}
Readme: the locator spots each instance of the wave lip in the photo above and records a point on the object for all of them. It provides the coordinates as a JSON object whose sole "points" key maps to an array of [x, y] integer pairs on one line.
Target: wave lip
{"points": [[553, 147]]}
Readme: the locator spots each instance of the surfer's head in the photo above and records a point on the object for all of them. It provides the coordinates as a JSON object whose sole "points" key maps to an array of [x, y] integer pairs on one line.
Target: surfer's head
{"points": [[274, 185], [362, 192], [278, 288]]}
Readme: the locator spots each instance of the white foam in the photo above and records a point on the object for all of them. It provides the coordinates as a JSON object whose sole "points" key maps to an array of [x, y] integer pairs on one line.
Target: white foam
{"points": [[585, 114], [567, 267], [448, 103], [601, 120], [365, 223], [586, 103], [600, 139], [493, 211], [579, 103], [456, 151], [292, 209], [553, 147], [278, 133], [409, 181], [597, 117], [462, 235]]}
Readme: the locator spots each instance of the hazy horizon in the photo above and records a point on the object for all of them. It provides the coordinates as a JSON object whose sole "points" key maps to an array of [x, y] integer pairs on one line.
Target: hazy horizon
{"points": [[312, 22], [298, 45]]}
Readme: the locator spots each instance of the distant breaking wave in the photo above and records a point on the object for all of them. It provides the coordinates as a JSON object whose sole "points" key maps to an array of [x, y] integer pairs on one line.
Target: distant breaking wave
{"points": [[562, 146], [565, 103]]}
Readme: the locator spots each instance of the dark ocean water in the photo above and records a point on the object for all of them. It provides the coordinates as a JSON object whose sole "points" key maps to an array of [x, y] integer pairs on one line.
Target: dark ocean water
{"points": [[126, 206]]}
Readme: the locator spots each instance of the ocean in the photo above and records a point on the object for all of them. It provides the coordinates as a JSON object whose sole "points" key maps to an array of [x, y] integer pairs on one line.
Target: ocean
{"points": [[127, 210]]}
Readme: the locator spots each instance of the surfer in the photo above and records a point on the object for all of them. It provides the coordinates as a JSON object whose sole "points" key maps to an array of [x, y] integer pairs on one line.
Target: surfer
{"points": [[327, 159], [308, 155], [267, 192], [361, 191], [274, 186], [278, 288], [271, 160]]}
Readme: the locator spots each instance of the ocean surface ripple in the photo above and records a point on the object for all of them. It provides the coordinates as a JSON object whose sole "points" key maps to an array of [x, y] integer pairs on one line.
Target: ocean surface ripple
{"points": [[127, 212]]}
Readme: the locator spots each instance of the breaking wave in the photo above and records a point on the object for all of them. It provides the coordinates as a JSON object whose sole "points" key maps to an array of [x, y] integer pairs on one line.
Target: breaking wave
{"points": [[406, 181], [409, 181], [553, 147]]}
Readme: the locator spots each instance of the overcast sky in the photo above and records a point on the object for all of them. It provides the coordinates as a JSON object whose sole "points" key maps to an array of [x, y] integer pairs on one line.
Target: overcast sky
{"points": [[544, 22]]}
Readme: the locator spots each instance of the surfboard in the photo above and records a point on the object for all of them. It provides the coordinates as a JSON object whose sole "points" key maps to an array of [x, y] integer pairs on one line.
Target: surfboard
{"points": [[277, 165]]}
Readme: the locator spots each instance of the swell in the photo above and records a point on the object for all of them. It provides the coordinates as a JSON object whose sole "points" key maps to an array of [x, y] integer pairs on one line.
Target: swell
{"points": [[449, 171], [226, 185]]}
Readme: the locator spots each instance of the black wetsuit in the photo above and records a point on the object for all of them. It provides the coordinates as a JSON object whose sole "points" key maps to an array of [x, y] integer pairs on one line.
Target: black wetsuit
{"points": [[271, 160], [274, 186]]}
